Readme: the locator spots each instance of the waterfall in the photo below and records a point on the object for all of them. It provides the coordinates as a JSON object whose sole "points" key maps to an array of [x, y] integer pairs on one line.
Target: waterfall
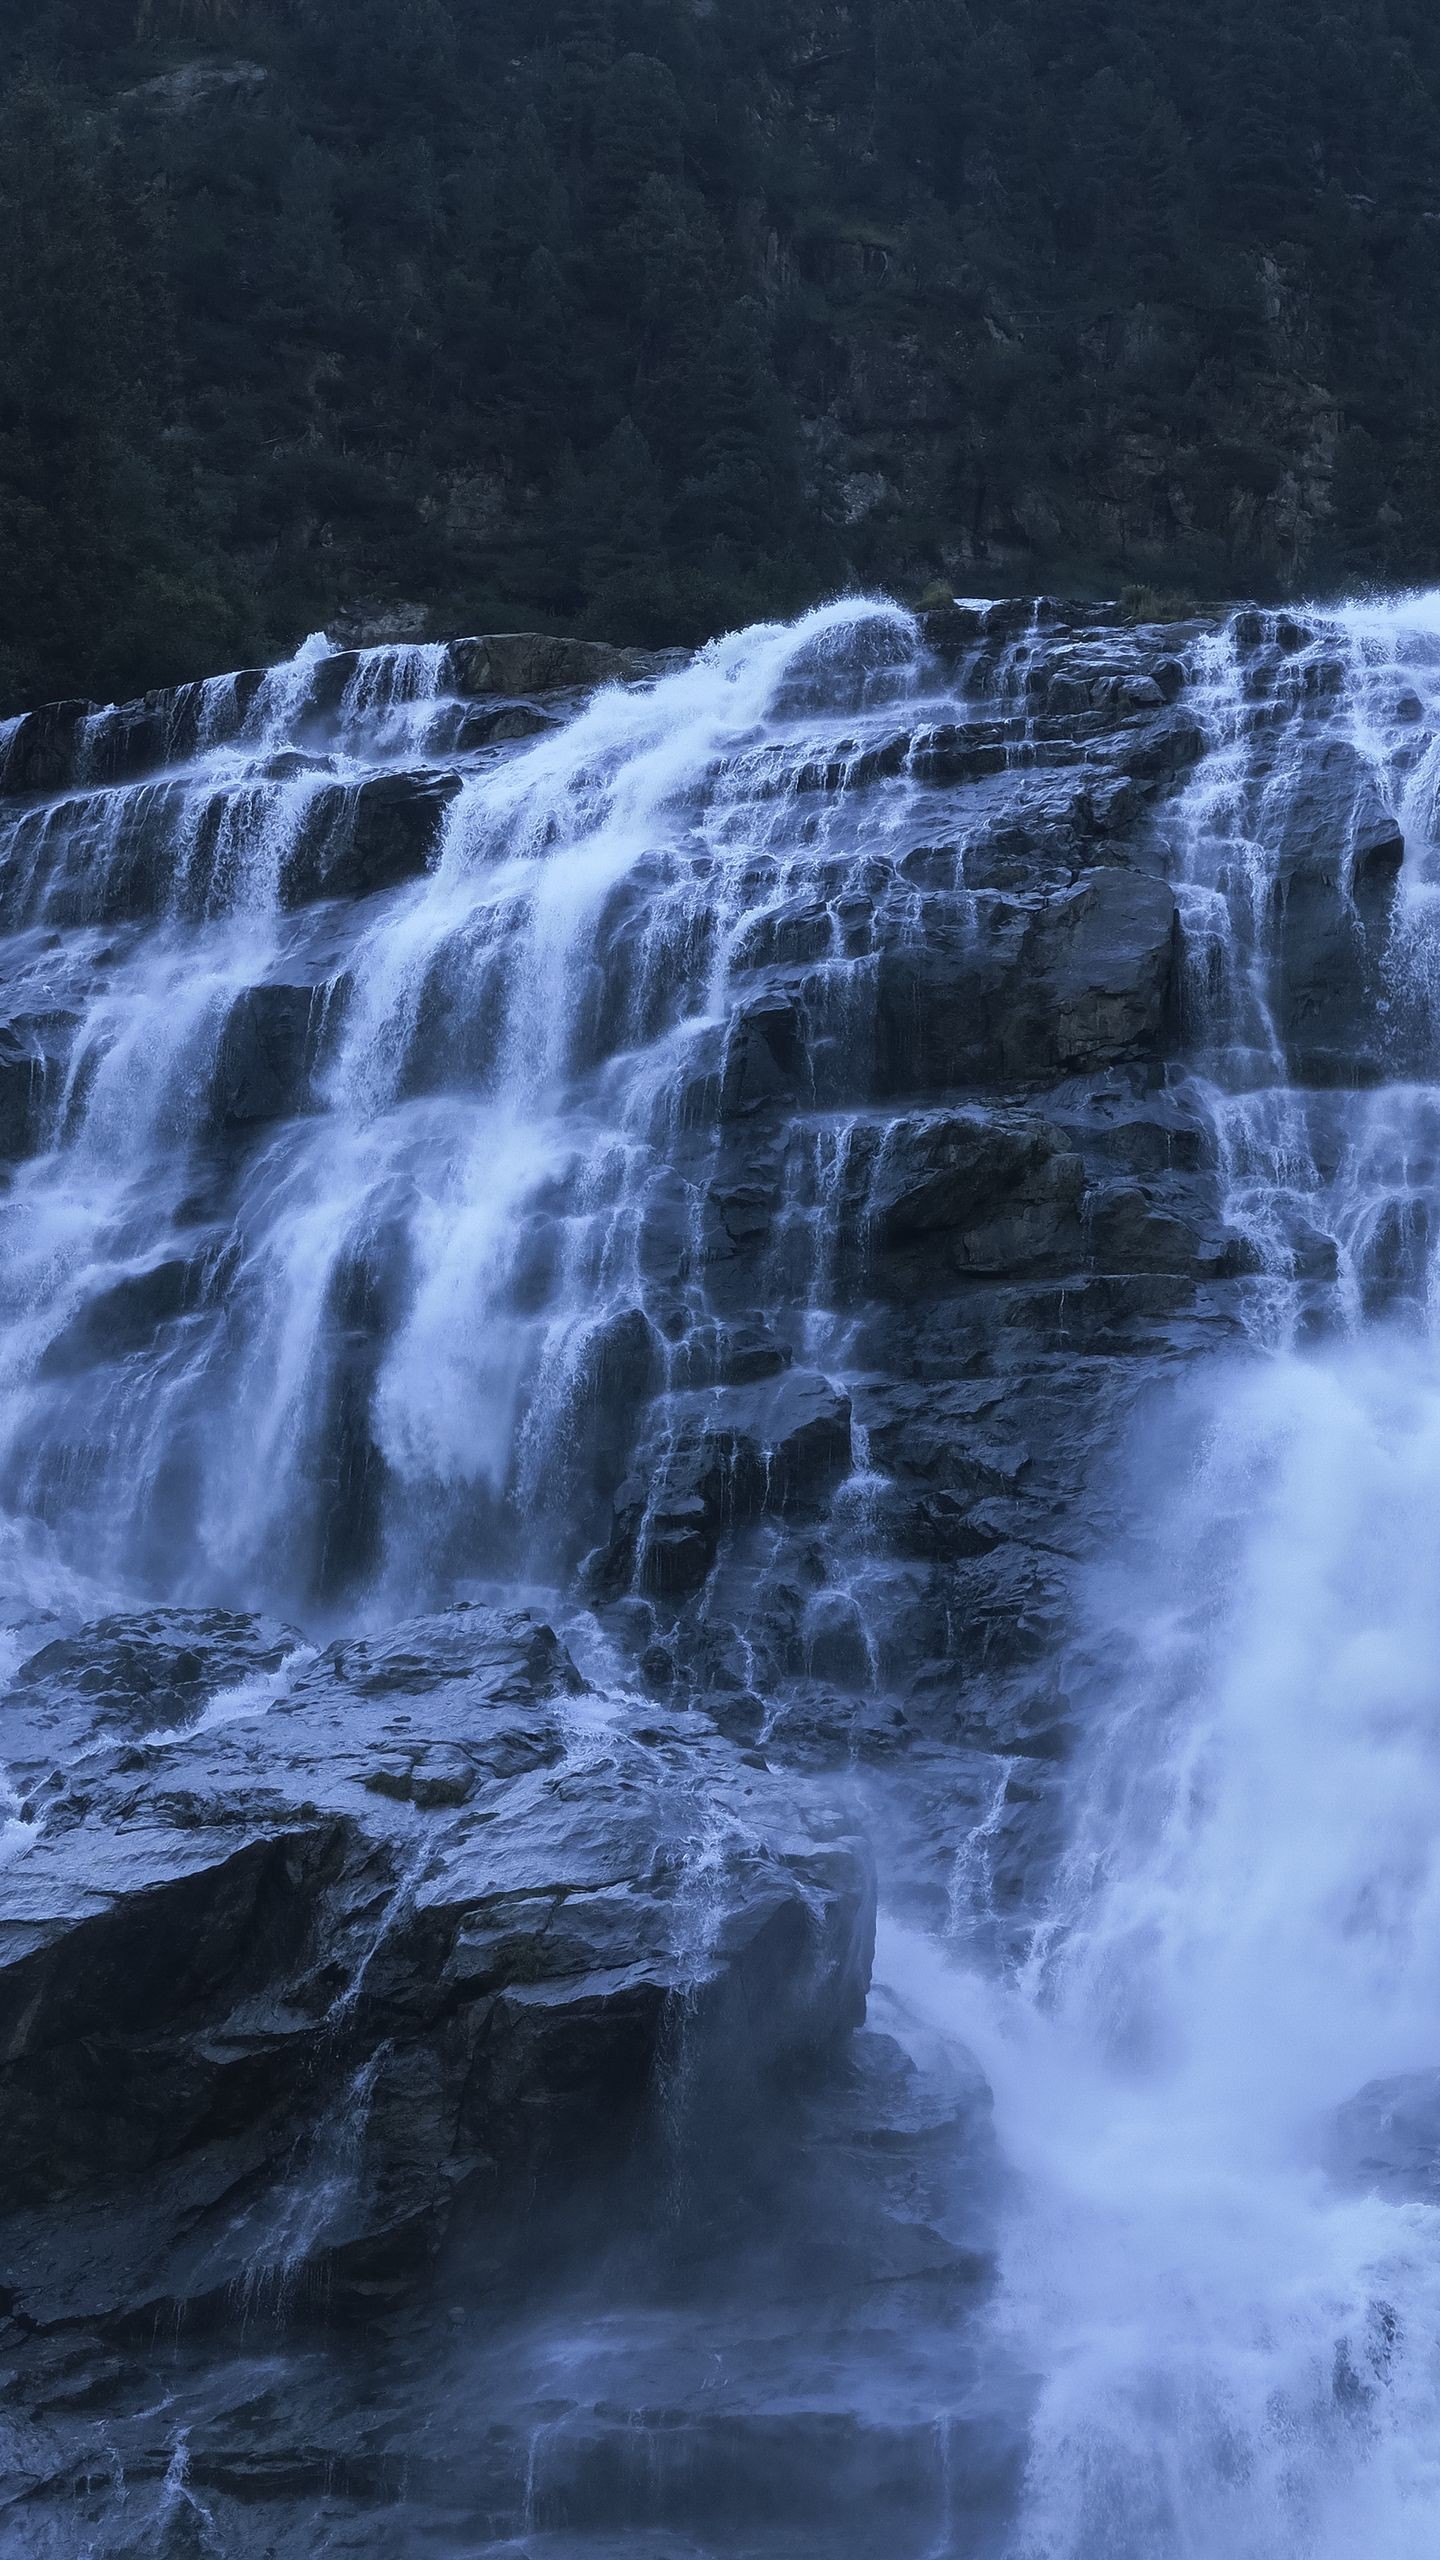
{"points": [[1233, 2327], [886, 1177], [361, 1352], [1214, 2056]]}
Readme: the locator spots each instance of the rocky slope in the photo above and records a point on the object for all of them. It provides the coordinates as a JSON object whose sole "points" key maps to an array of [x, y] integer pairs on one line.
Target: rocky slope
{"points": [[630, 1222]]}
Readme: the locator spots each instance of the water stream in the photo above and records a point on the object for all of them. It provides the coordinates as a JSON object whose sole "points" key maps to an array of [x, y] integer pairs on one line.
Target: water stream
{"points": [[382, 1238], [1230, 2303]]}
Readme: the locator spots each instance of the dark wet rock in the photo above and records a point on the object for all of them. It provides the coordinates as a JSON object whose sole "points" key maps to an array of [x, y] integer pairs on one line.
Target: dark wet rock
{"points": [[765, 1058], [135, 738], [316, 1959], [41, 751], [1145, 1120], [775, 1447], [501, 724], [1290, 635], [69, 744], [802, 1426], [997, 619], [1331, 821], [266, 1055], [1158, 752], [125, 1315], [66, 744], [995, 1190], [1107, 954], [1167, 1224], [1020, 991], [615, 1373], [1386, 2139], [754, 2373], [126, 1676], [33, 1050], [525, 662], [1066, 691], [372, 836], [735, 1355], [1338, 854]]}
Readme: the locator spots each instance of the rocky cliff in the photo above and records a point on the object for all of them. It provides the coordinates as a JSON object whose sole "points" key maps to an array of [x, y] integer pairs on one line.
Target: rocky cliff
{"points": [[579, 1234]]}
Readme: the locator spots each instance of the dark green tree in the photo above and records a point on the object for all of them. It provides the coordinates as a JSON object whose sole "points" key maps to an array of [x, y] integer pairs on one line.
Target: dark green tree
{"points": [[586, 309], [95, 590]]}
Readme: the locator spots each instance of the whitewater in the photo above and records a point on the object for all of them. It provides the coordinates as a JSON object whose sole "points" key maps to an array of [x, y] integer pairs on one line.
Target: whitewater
{"points": [[1222, 2275]]}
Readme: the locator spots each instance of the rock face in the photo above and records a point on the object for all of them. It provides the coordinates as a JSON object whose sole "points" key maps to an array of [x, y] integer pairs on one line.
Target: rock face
{"points": [[1386, 2140], [713, 1162], [838, 1020], [317, 1967], [414, 1887], [67, 745]]}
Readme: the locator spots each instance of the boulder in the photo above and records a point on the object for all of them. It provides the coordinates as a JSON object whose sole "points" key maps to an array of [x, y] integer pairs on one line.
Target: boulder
{"points": [[1386, 2139], [524, 662]]}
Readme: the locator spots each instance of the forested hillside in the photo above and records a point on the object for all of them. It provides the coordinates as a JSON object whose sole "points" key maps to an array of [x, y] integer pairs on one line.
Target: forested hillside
{"points": [[643, 316]]}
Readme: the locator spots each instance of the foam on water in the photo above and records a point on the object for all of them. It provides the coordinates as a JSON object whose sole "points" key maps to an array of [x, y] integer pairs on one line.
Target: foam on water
{"points": [[1235, 2352]]}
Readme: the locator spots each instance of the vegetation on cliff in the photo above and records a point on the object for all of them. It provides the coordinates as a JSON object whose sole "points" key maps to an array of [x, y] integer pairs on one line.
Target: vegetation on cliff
{"points": [[644, 316]]}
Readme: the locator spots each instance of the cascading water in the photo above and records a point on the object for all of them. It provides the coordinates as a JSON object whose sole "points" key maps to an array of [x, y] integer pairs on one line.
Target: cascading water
{"points": [[1241, 2353], [1230, 2304], [688, 1155], [497, 1063]]}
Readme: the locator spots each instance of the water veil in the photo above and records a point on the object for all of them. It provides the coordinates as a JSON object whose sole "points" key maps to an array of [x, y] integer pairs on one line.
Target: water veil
{"points": [[1215, 2055], [1234, 2335]]}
